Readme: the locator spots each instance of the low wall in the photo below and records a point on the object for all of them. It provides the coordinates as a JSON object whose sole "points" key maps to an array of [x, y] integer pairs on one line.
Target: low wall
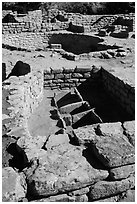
{"points": [[122, 92], [22, 94], [65, 78]]}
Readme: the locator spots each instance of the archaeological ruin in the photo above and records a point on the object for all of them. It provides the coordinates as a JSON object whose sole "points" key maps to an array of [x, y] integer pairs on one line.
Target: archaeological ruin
{"points": [[68, 107]]}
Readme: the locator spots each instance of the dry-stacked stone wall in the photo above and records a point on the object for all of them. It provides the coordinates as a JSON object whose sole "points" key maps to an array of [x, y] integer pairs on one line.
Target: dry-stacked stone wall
{"points": [[22, 95], [64, 77]]}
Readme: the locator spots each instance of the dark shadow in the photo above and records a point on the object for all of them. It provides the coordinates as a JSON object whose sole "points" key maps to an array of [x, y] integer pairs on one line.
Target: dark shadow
{"points": [[87, 119], [20, 69], [19, 160], [108, 109], [3, 71], [76, 43], [92, 159], [54, 114], [68, 99], [82, 108], [9, 18]]}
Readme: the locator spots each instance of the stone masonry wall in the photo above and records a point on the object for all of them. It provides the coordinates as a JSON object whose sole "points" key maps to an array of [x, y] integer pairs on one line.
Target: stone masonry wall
{"points": [[22, 94], [122, 92], [64, 77]]}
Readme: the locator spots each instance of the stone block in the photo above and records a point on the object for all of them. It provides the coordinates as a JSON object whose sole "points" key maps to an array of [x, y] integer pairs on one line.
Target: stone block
{"points": [[14, 187], [68, 70], [76, 75], [104, 189], [122, 172], [59, 76], [83, 69], [108, 143], [70, 107], [61, 170], [129, 131], [48, 76]]}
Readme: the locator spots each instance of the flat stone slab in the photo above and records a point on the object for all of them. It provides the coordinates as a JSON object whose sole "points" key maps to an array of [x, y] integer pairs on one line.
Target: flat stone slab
{"points": [[108, 142], [103, 189], [122, 172], [61, 170], [64, 198], [71, 107], [14, 187]]}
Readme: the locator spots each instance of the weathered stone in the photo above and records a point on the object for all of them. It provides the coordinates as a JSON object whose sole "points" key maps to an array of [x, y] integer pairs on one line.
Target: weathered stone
{"points": [[56, 140], [114, 151], [110, 199], [81, 191], [129, 131], [77, 75], [83, 69], [122, 172], [32, 142], [84, 135], [128, 196], [64, 198], [108, 129], [62, 170], [104, 189], [110, 146], [71, 107], [6, 157], [14, 186]]}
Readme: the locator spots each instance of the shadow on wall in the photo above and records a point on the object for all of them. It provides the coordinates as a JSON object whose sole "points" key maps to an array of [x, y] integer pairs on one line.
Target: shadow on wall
{"points": [[9, 19], [78, 43], [20, 69]]}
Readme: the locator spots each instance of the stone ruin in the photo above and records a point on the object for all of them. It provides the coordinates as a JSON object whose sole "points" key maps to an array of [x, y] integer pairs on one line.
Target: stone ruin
{"points": [[89, 155]]}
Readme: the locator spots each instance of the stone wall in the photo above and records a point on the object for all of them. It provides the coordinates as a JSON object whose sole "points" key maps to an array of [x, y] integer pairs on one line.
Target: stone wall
{"points": [[34, 21], [64, 77], [22, 94], [122, 92]]}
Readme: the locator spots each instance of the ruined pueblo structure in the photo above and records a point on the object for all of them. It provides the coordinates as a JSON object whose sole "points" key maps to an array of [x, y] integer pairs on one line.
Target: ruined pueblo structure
{"points": [[68, 107]]}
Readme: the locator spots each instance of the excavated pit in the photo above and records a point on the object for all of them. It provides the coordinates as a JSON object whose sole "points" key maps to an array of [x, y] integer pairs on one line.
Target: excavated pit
{"points": [[79, 43], [78, 107]]}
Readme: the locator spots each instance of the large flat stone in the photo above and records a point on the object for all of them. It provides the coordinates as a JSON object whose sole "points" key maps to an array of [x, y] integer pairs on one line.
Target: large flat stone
{"points": [[14, 186], [71, 107], [103, 189], [61, 170], [56, 140], [108, 143]]}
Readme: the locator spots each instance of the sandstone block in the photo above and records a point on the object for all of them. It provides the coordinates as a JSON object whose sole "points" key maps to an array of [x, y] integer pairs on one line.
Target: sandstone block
{"points": [[104, 189], [56, 140], [14, 186], [62, 170], [122, 172]]}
